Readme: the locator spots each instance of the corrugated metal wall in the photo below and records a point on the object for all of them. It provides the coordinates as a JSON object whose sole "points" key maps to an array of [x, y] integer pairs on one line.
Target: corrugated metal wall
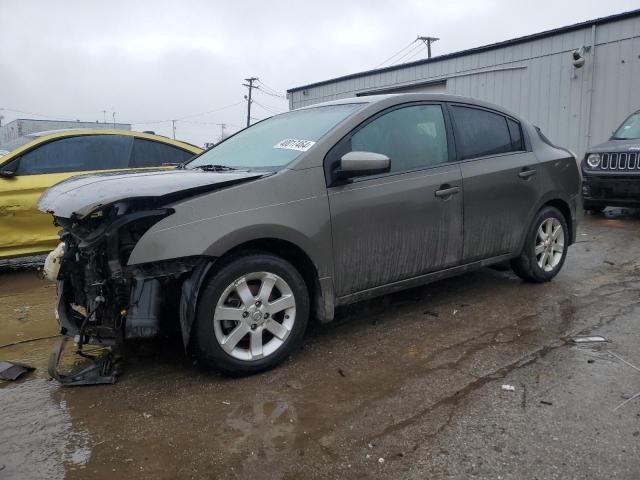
{"points": [[20, 127], [535, 79]]}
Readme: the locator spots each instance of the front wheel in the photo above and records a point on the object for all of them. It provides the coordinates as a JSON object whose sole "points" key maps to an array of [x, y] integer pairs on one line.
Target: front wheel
{"points": [[545, 248], [252, 313]]}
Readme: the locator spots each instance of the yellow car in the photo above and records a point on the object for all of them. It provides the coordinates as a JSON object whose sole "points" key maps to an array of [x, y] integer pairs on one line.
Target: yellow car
{"points": [[37, 161]]}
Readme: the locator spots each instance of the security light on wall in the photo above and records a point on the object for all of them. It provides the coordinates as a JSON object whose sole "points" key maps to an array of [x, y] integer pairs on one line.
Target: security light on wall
{"points": [[578, 56]]}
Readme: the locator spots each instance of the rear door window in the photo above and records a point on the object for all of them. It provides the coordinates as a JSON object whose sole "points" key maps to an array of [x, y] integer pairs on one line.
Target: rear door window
{"points": [[148, 153], [77, 154], [480, 133]]}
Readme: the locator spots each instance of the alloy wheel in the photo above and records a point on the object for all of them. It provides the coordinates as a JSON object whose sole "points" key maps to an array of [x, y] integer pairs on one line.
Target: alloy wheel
{"points": [[550, 244], [254, 316]]}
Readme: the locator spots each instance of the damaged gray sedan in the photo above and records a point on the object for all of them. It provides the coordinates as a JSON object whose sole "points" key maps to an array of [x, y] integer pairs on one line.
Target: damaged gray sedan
{"points": [[301, 213]]}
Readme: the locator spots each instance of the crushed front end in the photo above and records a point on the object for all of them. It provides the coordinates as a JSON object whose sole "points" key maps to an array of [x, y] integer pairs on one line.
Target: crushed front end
{"points": [[102, 301]]}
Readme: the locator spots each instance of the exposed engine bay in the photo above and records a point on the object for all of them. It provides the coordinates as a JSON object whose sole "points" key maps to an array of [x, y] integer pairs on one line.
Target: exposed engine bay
{"points": [[102, 301]]}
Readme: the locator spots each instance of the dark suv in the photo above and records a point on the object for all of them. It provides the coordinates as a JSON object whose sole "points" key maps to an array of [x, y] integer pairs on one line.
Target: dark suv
{"points": [[611, 170]]}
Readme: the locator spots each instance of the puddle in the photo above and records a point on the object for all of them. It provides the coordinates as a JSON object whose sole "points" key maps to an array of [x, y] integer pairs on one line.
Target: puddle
{"points": [[26, 307], [38, 438]]}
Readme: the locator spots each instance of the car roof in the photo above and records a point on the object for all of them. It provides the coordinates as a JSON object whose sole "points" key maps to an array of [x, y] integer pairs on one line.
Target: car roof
{"points": [[48, 136], [397, 98]]}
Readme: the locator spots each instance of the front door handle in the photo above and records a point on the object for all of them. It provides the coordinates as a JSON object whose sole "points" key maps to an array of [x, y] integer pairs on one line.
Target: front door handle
{"points": [[526, 173], [446, 191]]}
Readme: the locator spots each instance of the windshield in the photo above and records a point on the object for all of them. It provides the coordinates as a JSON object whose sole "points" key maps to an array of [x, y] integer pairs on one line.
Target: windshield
{"points": [[630, 129], [277, 141]]}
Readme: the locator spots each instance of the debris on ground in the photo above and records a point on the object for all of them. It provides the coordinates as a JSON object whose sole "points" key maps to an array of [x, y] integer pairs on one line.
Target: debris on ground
{"points": [[588, 339], [381, 460], [146, 415], [623, 360], [430, 313], [12, 371], [545, 402], [637, 395], [508, 388], [341, 372], [226, 402], [294, 385]]}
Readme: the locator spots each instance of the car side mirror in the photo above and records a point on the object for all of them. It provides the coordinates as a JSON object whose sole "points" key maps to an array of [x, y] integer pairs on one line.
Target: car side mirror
{"points": [[355, 164], [9, 168], [7, 172]]}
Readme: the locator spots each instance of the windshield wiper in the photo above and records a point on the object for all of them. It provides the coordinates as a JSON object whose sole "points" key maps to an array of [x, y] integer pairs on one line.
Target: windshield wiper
{"points": [[215, 168]]}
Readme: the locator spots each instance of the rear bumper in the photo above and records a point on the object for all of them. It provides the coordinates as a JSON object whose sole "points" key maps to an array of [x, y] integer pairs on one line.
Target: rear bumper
{"points": [[611, 191]]}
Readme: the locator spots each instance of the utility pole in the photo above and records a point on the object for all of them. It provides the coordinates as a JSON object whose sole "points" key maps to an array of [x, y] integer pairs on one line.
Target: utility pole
{"points": [[428, 41], [222, 127], [114, 119], [173, 122], [250, 86], [104, 116]]}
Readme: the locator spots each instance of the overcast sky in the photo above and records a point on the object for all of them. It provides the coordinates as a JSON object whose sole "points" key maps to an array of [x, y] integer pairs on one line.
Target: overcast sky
{"points": [[153, 61]]}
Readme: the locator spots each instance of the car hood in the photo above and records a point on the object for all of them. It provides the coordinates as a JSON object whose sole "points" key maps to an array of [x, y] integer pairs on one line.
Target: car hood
{"points": [[78, 196], [616, 146]]}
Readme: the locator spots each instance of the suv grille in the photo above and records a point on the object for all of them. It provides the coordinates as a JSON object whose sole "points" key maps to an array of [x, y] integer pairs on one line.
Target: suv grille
{"points": [[625, 162]]}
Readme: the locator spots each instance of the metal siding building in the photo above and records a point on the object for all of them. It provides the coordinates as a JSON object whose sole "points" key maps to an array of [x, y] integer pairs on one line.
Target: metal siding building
{"points": [[18, 128], [533, 76]]}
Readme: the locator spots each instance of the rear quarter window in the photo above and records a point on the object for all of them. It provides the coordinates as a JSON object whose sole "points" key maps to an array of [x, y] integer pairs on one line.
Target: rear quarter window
{"points": [[149, 153], [516, 135]]}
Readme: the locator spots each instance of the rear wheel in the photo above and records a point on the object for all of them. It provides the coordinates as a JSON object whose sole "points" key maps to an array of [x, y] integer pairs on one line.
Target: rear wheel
{"points": [[252, 313], [545, 248]]}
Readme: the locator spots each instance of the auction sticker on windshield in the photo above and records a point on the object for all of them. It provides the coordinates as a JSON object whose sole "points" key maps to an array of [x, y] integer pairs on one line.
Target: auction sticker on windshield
{"points": [[294, 144]]}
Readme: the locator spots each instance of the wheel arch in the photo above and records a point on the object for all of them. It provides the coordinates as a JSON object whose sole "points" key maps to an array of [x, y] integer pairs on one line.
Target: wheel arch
{"points": [[292, 253], [564, 208], [564, 204]]}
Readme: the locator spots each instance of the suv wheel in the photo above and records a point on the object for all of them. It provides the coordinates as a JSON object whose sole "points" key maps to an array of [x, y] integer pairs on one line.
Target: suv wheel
{"points": [[252, 313], [545, 248]]}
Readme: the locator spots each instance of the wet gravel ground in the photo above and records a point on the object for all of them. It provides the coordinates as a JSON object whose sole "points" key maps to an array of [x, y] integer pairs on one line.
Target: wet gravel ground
{"points": [[403, 386]]}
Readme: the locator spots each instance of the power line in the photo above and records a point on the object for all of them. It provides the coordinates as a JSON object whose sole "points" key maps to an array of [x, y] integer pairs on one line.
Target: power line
{"points": [[269, 91], [411, 50], [398, 52], [53, 117], [268, 108], [188, 116], [419, 51], [409, 53]]}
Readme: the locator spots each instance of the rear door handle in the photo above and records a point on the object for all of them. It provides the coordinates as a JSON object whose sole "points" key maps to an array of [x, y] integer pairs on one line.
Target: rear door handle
{"points": [[527, 173], [446, 191]]}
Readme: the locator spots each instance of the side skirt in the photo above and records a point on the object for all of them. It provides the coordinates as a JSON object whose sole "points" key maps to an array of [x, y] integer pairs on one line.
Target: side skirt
{"points": [[420, 280]]}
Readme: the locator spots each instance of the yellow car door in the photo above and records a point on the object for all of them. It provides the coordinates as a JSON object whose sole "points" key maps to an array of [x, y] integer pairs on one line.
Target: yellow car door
{"points": [[29, 170], [25, 230]]}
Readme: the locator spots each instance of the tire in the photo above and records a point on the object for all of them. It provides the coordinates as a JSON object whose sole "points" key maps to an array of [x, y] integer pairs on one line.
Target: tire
{"points": [[240, 330], [528, 265]]}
